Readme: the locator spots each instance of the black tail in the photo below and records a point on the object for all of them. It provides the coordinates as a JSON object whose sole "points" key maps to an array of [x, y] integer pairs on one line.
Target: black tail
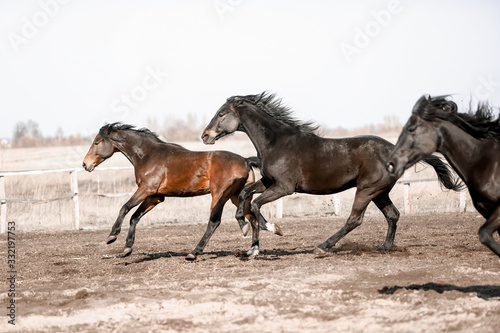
{"points": [[253, 162], [444, 174]]}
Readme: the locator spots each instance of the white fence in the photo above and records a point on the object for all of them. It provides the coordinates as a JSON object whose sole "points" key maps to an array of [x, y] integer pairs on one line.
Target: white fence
{"points": [[73, 195], [275, 210]]}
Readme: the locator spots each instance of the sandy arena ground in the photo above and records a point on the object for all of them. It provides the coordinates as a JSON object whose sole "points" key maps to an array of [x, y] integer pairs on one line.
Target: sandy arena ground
{"points": [[71, 281]]}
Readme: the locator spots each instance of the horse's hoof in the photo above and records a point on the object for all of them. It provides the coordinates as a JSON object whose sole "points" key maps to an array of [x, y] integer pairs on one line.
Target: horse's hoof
{"points": [[190, 257], [274, 228], [383, 247], [277, 230], [319, 251], [245, 229], [253, 252], [111, 239], [127, 251]]}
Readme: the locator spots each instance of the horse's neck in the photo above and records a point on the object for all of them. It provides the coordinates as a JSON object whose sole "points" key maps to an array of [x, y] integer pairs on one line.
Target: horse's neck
{"points": [[460, 149], [132, 146], [261, 128]]}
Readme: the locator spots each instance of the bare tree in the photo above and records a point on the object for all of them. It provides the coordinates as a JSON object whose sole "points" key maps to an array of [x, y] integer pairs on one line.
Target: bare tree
{"points": [[27, 134]]}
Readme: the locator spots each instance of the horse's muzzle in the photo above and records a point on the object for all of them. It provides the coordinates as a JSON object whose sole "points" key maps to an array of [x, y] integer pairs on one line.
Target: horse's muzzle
{"points": [[89, 168], [207, 138]]}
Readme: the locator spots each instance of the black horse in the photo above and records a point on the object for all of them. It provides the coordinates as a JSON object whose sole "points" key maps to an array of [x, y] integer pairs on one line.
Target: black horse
{"points": [[295, 159], [168, 170], [471, 144]]}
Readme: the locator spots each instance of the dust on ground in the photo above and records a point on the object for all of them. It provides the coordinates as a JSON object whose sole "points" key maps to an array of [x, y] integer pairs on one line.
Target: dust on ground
{"points": [[437, 278]]}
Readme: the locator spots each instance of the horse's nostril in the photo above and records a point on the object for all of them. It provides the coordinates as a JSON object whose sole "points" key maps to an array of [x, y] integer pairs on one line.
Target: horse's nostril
{"points": [[390, 167], [204, 137], [84, 165]]}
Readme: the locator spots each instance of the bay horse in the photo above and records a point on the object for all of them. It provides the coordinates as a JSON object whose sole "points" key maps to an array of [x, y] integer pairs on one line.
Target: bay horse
{"points": [[295, 159], [470, 142], [168, 170]]}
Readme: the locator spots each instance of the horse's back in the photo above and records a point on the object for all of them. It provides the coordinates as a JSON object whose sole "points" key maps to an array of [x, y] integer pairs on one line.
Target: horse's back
{"points": [[227, 162], [351, 149], [371, 143], [183, 172], [215, 165]]}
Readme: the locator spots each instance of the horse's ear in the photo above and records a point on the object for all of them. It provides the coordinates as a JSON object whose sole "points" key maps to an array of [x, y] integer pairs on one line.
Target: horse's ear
{"points": [[421, 103], [450, 106], [238, 102]]}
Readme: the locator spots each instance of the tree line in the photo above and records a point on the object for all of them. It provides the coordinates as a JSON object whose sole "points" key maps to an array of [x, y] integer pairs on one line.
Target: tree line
{"points": [[28, 134]]}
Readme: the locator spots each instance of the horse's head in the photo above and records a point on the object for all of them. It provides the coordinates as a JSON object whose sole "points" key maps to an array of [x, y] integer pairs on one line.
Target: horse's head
{"points": [[225, 121], [418, 139], [101, 149]]}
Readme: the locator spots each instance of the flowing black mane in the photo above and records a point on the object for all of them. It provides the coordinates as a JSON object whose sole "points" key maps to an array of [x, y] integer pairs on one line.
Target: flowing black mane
{"points": [[481, 123], [107, 129], [274, 107]]}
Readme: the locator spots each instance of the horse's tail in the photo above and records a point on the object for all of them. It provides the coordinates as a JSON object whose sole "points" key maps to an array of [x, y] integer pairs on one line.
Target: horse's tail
{"points": [[253, 162], [444, 173]]}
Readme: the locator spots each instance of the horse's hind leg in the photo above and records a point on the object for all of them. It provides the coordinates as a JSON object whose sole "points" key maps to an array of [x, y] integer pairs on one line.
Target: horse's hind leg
{"points": [[213, 223], [361, 201], [148, 204], [487, 229], [244, 225], [391, 214], [218, 201], [254, 250]]}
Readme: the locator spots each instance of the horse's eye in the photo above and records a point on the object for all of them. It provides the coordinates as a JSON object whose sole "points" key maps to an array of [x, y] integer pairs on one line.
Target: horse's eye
{"points": [[97, 143], [412, 129], [221, 114]]}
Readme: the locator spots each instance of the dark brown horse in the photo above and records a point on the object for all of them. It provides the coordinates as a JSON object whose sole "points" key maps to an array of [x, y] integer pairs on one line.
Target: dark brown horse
{"points": [[471, 144], [295, 159], [165, 169]]}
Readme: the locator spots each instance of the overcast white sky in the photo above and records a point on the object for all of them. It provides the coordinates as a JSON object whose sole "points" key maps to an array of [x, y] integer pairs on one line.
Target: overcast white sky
{"points": [[77, 64]]}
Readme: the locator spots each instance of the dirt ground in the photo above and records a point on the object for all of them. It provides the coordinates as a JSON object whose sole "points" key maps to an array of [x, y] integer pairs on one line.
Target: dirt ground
{"points": [[71, 281]]}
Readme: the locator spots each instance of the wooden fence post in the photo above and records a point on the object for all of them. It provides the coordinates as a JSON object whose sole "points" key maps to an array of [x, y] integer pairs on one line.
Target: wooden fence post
{"points": [[463, 201], [76, 203], [336, 204], [3, 206], [279, 208], [276, 209], [407, 201]]}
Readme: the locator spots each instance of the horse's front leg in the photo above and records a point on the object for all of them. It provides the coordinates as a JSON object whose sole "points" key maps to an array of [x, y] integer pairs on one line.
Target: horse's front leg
{"points": [[148, 204], [274, 192], [244, 202], [139, 196], [245, 194]]}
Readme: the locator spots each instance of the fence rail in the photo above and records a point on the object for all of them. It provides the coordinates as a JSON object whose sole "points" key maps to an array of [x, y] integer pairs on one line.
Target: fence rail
{"points": [[73, 173], [275, 211]]}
